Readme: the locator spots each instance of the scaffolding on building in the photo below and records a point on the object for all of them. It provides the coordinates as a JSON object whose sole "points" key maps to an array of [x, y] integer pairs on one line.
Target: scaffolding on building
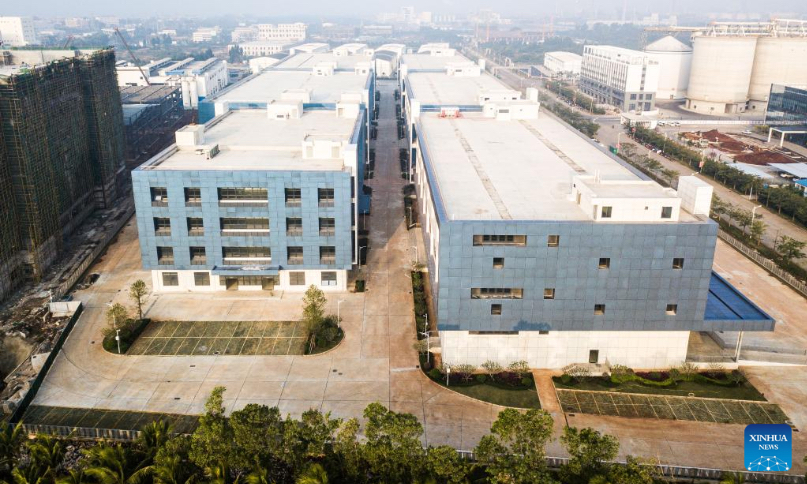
{"points": [[151, 115]]}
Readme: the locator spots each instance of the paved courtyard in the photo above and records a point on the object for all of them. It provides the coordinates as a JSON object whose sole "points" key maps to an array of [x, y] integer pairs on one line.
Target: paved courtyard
{"points": [[375, 362]]}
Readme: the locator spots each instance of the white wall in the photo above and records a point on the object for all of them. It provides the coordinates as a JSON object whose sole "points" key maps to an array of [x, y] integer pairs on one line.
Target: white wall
{"points": [[636, 349], [186, 282]]}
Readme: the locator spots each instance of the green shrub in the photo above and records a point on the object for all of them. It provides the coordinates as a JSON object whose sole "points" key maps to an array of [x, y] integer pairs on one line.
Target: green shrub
{"points": [[360, 285], [655, 376], [129, 332], [435, 374], [481, 378], [527, 382], [565, 378]]}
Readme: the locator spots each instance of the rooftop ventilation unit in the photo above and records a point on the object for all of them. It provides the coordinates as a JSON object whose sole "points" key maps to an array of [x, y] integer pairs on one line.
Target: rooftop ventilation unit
{"points": [[209, 152], [450, 112]]}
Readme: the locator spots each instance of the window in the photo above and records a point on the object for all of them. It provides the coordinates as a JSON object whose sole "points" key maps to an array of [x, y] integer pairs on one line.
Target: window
{"points": [[159, 197], [666, 212], [549, 293], [325, 197], [294, 226], [633, 97], [553, 240], [294, 197], [672, 309], [327, 227], [244, 226], [605, 263], [170, 278], [486, 333], [297, 278], [496, 293], [162, 226], [543, 332], [593, 356], [198, 256], [599, 309], [196, 227], [520, 240], [327, 255], [678, 263], [257, 254], [294, 255], [328, 278], [165, 255], [606, 212], [201, 278], [243, 196], [498, 262], [193, 197], [496, 309]]}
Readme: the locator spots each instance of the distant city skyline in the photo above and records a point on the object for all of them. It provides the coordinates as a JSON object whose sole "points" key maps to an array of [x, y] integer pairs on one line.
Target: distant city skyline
{"points": [[353, 8]]}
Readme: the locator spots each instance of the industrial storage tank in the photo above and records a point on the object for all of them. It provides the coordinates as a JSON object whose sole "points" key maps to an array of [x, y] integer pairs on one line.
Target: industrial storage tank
{"points": [[778, 60], [720, 74], [675, 61]]}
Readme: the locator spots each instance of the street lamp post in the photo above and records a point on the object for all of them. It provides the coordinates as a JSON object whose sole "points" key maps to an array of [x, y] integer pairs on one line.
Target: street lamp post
{"points": [[448, 372], [409, 225], [753, 213], [417, 258], [117, 338], [338, 313]]}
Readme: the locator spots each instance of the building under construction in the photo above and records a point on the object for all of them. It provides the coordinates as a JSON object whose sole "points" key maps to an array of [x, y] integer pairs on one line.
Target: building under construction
{"points": [[151, 115], [63, 142]]}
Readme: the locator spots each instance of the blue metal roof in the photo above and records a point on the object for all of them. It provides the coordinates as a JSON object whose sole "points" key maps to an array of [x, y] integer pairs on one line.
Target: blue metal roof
{"points": [[726, 304], [802, 182]]}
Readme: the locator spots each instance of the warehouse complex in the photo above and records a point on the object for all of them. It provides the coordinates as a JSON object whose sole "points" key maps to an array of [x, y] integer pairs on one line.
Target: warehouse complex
{"points": [[62, 125], [266, 193], [543, 247]]}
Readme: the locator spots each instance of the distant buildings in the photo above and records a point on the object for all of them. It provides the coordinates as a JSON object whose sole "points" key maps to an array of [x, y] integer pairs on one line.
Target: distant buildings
{"points": [[205, 34], [197, 79], [563, 63], [293, 32], [624, 78], [261, 48], [17, 31], [61, 156], [787, 113], [267, 193]]}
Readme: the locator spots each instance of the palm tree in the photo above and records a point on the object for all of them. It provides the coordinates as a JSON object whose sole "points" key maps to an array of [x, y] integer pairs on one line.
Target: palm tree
{"points": [[172, 470], [47, 454], [315, 474], [74, 476], [11, 439], [220, 474], [259, 475], [733, 478], [112, 465], [30, 475], [153, 437]]}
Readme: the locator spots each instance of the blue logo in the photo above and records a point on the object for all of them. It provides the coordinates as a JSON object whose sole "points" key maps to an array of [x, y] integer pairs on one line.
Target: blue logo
{"points": [[768, 447]]}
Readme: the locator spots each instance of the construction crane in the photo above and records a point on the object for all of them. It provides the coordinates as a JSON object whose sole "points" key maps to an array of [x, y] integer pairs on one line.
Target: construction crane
{"points": [[67, 42], [137, 62]]}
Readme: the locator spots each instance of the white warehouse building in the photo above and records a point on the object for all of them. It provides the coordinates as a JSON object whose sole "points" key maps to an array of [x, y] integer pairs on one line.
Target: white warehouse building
{"points": [[563, 63], [675, 61]]}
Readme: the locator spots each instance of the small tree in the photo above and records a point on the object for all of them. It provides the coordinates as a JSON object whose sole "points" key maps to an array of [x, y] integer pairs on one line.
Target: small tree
{"points": [[590, 452], [757, 231], [492, 368], [669, 175], [137, 293], [421, 346], [464, 371], [116, 317], [313, 310], [520, 368], [790, 248]]}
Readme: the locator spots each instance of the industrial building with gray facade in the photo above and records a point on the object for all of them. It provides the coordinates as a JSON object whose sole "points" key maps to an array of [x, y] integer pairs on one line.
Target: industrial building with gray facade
{"points": [[544, 247], [267, 192]]}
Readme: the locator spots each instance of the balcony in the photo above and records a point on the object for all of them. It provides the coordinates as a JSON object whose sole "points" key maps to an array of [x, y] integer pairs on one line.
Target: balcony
{"points": [[196, 232], [327, 260], [163, 232], [247, 259], [165, 261], [160, 203], [245, 233], [325, 203], [243, 203], [198, 261], [328, 232]]}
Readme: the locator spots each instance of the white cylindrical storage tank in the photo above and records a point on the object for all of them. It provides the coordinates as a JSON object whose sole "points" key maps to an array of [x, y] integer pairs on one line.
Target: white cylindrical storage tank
{"points": [[675, 61], [720, 74], [778, 60]]}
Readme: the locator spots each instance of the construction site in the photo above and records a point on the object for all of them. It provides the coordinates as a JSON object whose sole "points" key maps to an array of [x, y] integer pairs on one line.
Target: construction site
{"points": [[63, 133], [741, 149], [151, 115]]}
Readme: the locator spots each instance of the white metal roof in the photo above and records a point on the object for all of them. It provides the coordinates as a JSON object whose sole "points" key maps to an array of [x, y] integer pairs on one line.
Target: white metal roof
{"points": [[799, 170]]}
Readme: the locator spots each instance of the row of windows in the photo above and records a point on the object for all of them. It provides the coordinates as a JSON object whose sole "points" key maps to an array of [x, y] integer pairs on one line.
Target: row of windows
{"points": [[198, 256], [246, 195], [244, 226], [515, 240], [203, 279], [517, 293], [604, 263], [599, 309], [607, 212]]}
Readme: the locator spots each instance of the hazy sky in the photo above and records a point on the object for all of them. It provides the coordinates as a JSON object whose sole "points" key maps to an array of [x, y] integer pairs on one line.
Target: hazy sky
{"points": [[364, 8]]}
